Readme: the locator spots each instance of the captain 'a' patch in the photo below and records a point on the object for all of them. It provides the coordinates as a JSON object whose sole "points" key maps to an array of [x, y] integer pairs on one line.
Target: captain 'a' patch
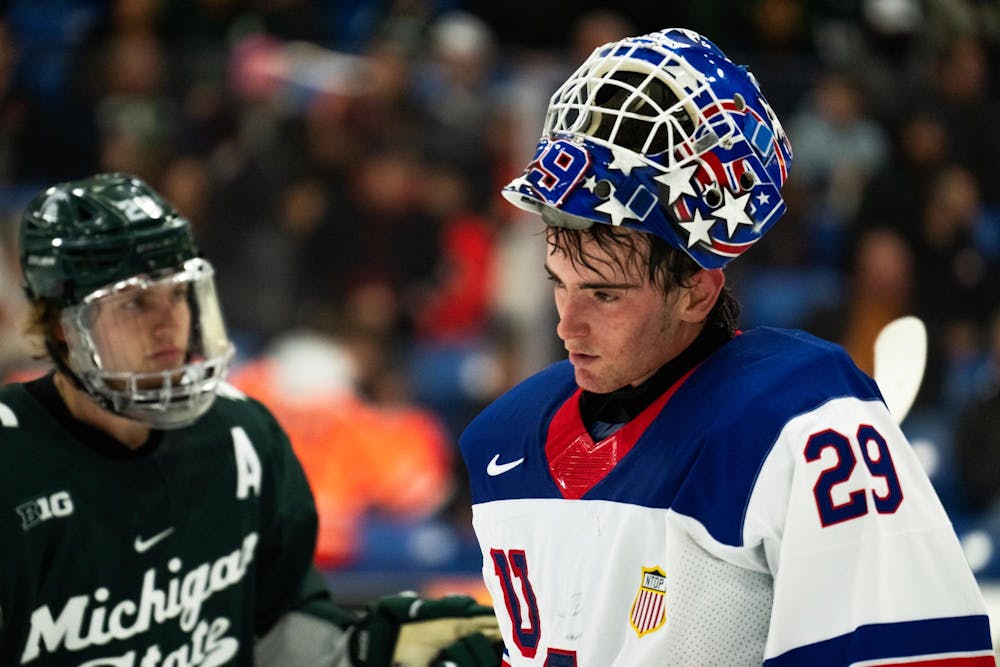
{"points": [[648, 611]]}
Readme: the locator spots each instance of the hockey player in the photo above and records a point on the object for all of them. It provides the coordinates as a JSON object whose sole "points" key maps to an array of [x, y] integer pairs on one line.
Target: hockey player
{"points": [[680, 492], [151, 514]]}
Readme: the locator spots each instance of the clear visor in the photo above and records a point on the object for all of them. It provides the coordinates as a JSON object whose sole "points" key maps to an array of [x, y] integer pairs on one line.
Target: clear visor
{"points": [[152, 348]]}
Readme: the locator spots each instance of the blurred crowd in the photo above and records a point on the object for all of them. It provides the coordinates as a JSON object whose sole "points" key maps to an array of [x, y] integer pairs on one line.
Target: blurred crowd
{"points": [[341, 163]]}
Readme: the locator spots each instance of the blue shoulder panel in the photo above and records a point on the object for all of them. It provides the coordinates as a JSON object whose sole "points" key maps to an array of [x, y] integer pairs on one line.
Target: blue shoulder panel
{"points": [[702, 453], [512, 428]]}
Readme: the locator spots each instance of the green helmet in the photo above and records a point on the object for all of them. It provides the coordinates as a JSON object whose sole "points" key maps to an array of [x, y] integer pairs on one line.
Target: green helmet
{"points": [[82, 235], [139, 314]]}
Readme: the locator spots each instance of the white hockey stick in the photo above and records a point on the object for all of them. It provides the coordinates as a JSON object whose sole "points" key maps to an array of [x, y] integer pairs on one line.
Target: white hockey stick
{"points": [[900, 358]]}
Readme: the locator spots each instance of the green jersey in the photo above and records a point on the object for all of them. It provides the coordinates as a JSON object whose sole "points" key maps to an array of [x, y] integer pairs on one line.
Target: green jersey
{"points": [[179, 553]]}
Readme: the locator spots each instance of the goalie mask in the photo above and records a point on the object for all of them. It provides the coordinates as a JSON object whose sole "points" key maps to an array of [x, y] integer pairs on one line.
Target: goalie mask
{"points": [[665, 135], [140, 318]]}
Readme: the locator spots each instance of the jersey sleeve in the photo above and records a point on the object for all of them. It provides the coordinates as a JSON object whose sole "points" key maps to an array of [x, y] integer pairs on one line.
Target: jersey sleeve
{"points": [[866, 565]]}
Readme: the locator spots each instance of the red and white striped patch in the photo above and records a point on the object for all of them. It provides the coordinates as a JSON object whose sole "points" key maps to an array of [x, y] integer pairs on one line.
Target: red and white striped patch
{"points": [[649, 612]]}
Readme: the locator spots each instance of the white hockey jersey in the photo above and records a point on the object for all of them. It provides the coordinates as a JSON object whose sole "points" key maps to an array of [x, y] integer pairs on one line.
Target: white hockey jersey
{"points": [[765, 510]]}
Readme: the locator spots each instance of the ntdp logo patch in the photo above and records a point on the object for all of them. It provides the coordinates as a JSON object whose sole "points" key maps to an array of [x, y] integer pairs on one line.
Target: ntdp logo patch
{"points": [[648, 611]]}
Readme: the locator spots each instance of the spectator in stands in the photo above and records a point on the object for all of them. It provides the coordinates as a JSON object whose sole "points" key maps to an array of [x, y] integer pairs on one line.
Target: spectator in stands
{"points": [[457, 91], [952, 235], [880, 288], [358, 456], [838, 147], [895, 195], [977, 436], [962, 91]]}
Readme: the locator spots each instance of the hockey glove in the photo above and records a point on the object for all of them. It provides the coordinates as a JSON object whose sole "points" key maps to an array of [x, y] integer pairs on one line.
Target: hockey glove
{"points": [[408, 631]]}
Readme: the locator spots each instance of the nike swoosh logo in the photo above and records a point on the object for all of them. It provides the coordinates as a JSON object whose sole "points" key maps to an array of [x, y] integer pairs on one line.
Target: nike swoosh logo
{"points": [[142, 545], [496, 468]]}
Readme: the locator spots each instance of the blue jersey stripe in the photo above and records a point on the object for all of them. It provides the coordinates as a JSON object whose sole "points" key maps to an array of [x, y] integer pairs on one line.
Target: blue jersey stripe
{"points": [[887, 641]]}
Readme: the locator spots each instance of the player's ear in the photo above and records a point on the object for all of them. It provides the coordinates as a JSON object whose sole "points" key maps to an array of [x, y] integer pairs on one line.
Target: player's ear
{"points": [[701, 294]]}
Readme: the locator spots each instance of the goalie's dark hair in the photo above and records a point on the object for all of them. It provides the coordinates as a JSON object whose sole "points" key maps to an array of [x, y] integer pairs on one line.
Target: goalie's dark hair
{"points": [[665, 266]]}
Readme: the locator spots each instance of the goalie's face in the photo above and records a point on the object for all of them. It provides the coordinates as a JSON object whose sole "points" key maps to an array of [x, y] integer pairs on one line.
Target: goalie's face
{"points": [[618, 328]]}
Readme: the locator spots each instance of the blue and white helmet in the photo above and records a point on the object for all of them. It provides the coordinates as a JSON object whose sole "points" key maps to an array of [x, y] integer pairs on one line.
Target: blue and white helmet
{"points": [[662, 134]]}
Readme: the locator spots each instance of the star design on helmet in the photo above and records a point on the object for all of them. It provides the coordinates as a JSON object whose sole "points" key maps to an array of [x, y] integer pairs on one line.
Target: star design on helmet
{"points": [[734, 211], [590, 183], [680, 74], [617, 210], [697, 228], [625, 160], [678, 182]]}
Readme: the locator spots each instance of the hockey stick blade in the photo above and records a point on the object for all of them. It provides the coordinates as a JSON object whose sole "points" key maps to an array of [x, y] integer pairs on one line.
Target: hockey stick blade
{"points": [[900, 359]]}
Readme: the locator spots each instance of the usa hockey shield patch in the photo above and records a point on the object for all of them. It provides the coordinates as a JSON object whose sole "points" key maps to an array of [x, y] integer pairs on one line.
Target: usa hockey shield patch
{"points": [[648, 611]]}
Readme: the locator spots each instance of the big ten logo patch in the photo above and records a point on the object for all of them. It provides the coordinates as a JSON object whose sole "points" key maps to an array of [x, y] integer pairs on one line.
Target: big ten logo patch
{"points": [[43, 508]]}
